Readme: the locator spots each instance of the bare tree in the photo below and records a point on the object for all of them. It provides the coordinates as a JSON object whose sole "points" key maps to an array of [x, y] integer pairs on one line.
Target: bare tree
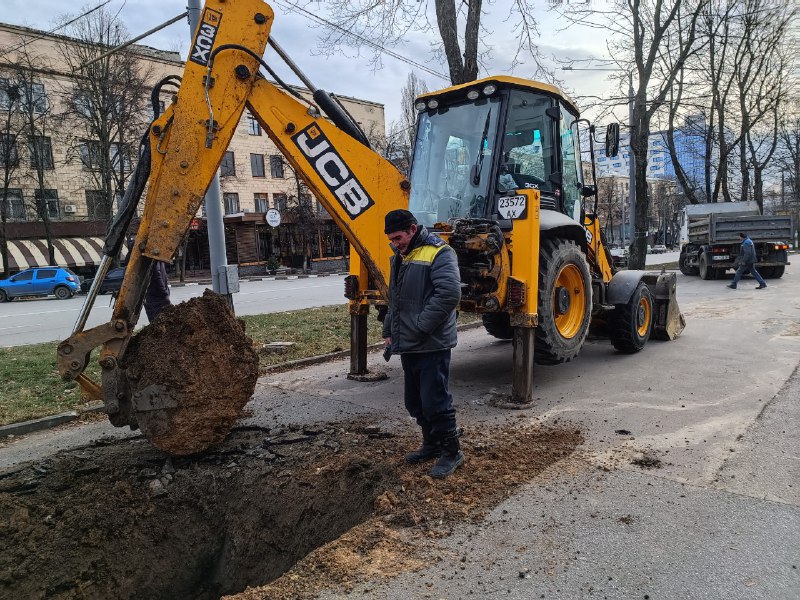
{"points": [[107, 106], [11, 202], [403, 132], [36, 120], [353, 23]]}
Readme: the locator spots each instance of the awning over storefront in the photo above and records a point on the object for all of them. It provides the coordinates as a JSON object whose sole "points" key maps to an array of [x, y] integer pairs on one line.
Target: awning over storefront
{"points": [[69, 252]]}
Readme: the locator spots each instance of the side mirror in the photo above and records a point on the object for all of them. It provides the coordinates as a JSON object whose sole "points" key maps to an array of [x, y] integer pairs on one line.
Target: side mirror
{"points": [[612, 139], [588, 190]]}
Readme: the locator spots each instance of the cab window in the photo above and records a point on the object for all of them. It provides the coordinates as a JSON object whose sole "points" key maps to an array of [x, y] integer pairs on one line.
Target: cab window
{"points": [[571, 176], [528, 159]]}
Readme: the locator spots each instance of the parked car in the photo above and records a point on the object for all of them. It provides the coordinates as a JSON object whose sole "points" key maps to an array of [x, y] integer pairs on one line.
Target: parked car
{"points": [[111, 283], [41, 281], [619, 257], [659, 249]]}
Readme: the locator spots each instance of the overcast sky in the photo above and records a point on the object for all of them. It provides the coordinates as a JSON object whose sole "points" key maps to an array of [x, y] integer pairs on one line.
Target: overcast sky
{"points": [[348, 73]]}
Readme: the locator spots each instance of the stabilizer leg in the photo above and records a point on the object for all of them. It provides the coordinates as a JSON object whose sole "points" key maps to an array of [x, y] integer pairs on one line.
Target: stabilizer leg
{"points": [[522, 376]]}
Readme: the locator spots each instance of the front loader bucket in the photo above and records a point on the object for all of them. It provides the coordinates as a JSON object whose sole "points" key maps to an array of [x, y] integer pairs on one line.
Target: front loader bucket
{"points": [[668, 322]]}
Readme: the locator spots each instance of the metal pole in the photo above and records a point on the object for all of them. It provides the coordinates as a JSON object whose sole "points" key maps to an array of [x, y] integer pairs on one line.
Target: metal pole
{"points": [[631, 162], [213, 203]]}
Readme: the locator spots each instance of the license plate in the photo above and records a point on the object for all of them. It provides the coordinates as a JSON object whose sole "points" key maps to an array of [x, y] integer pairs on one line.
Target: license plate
{"points": [[720, 257]]}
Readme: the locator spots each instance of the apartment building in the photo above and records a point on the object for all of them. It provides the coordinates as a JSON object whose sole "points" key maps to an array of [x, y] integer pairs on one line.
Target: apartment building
{"points": [[55, 169]]}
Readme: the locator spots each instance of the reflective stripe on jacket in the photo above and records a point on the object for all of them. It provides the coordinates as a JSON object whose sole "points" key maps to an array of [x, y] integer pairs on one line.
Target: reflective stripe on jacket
{"points": [[424, 291]]}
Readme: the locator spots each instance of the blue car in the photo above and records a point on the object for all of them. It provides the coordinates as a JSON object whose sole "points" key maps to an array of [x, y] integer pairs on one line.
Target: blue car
{"points": [[43, 281]]}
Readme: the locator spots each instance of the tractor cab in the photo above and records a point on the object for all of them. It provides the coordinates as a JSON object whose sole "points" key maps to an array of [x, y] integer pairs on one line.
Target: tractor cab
{"points": [[479, 142]]}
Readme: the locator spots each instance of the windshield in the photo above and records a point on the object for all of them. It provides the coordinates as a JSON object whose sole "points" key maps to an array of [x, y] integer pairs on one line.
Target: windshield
{"points": [[452, 161], [529, 156]]}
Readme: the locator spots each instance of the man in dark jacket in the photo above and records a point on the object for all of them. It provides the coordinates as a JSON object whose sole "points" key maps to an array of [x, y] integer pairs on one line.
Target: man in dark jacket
{"points": [[420, 325], [746, 261]]}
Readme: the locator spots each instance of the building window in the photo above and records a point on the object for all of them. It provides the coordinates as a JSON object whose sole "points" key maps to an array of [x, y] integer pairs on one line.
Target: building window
{"points": [[120, 157], [305, 201], [9, 94], [90, 154], [257, 165], [84, 105], [261, 202], [253, 126], [280, 201], [41, 152], [15, 205], [96, 206], [231, 200], [276, 166], [8, 151], [34, 96], [228, 166], [47, 201]]}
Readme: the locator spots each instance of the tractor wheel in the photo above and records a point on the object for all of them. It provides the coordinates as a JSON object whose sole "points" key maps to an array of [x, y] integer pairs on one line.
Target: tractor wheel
{"points": [[565, 302], [62, 293], [498, 325], [685, 268], [631, 323], [706, 271]]}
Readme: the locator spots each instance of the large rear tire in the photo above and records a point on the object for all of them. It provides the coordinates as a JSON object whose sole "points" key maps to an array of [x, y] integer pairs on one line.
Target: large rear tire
{"points": [[706, 271], [632, 323], [772, 272], [684, 267], [498, 325], [565, 302]]}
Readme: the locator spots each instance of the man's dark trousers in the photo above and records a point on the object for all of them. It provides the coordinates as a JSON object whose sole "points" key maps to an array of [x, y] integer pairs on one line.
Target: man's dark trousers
{"points": [[426, 395]]}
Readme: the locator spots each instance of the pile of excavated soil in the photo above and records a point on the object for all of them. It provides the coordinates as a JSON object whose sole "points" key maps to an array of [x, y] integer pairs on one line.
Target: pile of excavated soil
{"points": [[199, 351], [280, 514]]}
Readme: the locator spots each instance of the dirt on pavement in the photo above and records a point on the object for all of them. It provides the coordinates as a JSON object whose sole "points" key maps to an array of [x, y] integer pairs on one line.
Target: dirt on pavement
{"points": [[268, 514]]}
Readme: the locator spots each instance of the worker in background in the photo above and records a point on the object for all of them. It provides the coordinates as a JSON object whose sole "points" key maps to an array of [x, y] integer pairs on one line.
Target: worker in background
{"points": [[420, 325], [157, 297], [746, 261]]}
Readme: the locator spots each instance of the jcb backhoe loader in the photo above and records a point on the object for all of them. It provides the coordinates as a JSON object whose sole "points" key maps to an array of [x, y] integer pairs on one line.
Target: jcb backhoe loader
{"points": [[496, 172]]}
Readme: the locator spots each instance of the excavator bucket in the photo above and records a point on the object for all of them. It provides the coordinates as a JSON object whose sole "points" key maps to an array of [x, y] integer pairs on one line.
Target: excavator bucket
{"points": [[668, 321], [188, 375]]}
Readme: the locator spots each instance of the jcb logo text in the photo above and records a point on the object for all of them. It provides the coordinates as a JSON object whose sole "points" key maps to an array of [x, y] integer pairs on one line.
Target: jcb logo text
{"points": [[334, 173]]}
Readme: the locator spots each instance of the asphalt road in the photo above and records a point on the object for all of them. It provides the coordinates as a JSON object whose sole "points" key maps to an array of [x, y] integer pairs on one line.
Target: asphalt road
{"points": [[34, 320]]}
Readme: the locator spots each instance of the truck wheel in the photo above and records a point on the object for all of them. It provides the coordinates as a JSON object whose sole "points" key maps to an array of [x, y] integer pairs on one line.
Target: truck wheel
{"points": [[684, 267], [777, 272], [498, 325], [62, 293], [706, 271], [565, 302], [631, 323]]}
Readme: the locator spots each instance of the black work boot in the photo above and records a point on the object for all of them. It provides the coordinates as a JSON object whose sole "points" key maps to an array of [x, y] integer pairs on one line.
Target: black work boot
{"points": [[451, 457], [429, 449]]}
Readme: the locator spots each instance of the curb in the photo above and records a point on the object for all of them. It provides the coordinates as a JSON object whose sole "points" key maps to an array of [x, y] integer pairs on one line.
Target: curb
{"points": [[35, 425]]}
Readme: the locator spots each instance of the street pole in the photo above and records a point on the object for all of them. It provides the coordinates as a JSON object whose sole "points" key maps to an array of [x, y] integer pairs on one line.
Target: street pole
{"points": [[631, 161], [223, 280]]}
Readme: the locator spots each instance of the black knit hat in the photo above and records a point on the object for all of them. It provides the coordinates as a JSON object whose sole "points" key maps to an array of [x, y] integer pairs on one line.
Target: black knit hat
{"points": [[398, 220]]}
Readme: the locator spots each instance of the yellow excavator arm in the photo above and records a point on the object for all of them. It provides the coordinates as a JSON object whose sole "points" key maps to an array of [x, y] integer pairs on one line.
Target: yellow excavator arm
{"points": [[187, 144]]}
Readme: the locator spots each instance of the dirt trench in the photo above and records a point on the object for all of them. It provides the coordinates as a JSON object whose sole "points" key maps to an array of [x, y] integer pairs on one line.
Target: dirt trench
{"points": [[284, 513]]}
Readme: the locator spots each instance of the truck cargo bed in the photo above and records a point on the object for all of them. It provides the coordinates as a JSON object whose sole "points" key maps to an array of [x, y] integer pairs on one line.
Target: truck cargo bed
{"points": [[724, 229]]}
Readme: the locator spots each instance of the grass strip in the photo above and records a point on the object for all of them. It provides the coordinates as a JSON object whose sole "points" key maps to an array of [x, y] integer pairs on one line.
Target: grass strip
{"points": [[32, 387]]}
